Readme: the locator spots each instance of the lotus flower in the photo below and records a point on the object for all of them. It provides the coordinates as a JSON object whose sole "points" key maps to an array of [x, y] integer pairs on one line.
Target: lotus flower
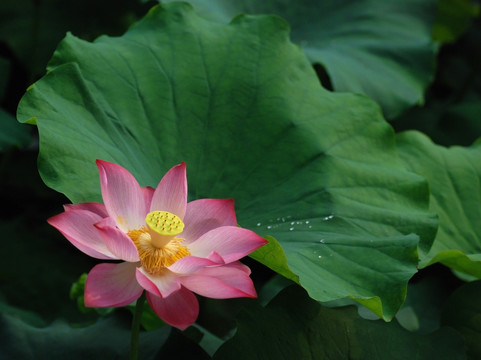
{"points": [[169, 247]]}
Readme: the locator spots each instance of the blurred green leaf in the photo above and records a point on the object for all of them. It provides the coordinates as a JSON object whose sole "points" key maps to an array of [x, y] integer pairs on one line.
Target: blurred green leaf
{"points": [[272, 287], [451, 116], [454, 176], [293, 326], [421, 311], [32, 28], [180, 347], [149, 320], [13, 134], [4, 70], [45, 270], [462, 311], [453, 18], [77, 293], [243, 107], [28, 317], [108, 338], [209, 342], [466, 115], [379, 48]]}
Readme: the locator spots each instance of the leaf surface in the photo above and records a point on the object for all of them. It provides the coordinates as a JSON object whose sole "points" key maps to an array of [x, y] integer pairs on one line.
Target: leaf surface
{"points": [[379, 48], [454, 176]]}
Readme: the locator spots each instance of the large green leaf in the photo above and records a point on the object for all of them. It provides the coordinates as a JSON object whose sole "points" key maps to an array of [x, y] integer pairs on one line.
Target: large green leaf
{"points": [[380, 48], [324, 333], [454, 176], [243, 107]]}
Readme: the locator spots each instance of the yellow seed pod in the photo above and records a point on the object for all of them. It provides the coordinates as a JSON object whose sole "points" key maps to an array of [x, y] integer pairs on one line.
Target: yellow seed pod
{"points": [[164, 223]]}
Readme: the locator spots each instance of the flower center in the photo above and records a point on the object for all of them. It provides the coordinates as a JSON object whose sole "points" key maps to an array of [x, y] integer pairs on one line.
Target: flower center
{"points": [[163, 226], [157, 245]]}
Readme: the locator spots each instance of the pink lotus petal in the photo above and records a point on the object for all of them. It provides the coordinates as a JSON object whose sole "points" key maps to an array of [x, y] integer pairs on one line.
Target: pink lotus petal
{"points": [[171, 193], [117, 241], [78, 227], [160, 285], [240, 266], [215, 257], [190, 264], [207, 214], [123, 198], [221, 282], [179, 309], [230, 242], [148, 193], [112, 285], [94, 207]]}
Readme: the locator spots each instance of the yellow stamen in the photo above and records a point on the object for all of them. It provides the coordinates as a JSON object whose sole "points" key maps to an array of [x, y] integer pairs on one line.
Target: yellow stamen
{"points": [[153, 259], [163, 226]]}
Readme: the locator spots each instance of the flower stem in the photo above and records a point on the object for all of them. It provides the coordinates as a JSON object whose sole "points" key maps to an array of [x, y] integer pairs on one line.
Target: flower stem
{"points": [[134, 335]]}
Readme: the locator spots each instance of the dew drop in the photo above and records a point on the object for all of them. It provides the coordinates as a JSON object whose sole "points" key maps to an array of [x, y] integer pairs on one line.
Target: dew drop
{"points": [[259, 224], [292, 222], [269, 227], [322, 241], [291, 228], [320, 256]]}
